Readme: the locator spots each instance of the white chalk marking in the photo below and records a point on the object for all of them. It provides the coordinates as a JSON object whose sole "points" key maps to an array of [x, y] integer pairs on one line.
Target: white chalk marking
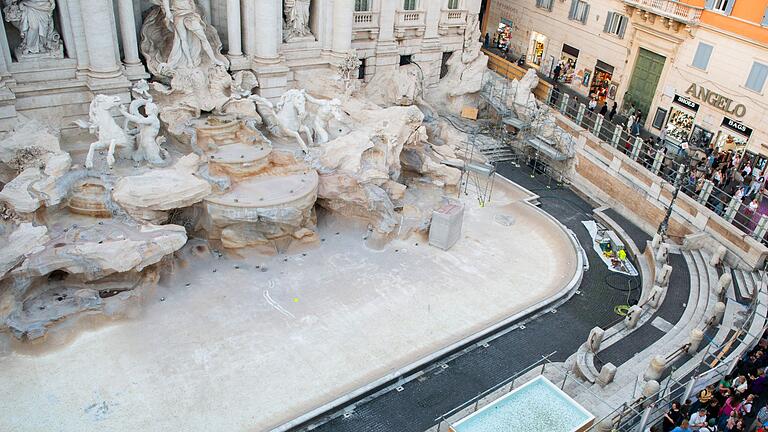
{"points": [[273, 303]]}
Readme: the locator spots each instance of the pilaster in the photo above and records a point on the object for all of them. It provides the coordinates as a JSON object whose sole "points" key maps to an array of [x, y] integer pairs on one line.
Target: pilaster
{"points": [[104, 72]]}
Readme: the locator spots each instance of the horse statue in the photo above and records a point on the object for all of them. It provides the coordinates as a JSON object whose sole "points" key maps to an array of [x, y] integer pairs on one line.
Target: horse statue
{"points": [[289, 118], [110, 134], [325, 111]]}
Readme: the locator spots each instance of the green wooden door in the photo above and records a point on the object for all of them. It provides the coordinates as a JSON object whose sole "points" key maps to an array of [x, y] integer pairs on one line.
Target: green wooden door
{"points": [[645, 79]]}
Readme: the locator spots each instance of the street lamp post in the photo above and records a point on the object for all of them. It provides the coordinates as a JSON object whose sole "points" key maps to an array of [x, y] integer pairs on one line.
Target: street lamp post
{"points": [[682, 173]]}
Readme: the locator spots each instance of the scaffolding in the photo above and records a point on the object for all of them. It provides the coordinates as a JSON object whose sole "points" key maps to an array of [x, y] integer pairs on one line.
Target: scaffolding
{"points": [[524, 135]]}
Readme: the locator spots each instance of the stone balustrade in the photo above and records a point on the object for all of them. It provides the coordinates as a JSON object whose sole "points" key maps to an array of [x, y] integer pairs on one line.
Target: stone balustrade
{"points": [[672, 9]]}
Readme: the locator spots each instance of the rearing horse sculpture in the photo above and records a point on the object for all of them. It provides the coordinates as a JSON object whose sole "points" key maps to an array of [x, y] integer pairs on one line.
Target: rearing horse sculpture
{"points": [[110, 134]]}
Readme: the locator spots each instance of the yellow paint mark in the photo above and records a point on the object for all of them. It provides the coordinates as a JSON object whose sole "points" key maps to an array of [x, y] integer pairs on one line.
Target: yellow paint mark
{"points": [[295, 299]]}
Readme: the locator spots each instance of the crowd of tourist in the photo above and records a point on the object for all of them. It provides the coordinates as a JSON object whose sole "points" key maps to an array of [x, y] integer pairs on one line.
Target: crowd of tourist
{"points": [[732, 174], [738, 403]]}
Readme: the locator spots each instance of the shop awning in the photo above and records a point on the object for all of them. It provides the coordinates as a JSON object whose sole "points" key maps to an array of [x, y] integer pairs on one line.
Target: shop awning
{"points": [[603, 66], [570, 50], [544, 146]]}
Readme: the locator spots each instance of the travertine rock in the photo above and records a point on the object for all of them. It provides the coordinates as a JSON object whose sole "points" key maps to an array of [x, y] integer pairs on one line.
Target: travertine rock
{"points": [[16, 194], [422, 158], [461, 84], [148, 196], [27, 133], [101, 249], [25, 240], [264, 208], [357, 170]]}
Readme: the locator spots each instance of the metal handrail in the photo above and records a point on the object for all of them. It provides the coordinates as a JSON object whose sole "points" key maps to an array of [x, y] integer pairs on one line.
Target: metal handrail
{"points": [[543, 361]]}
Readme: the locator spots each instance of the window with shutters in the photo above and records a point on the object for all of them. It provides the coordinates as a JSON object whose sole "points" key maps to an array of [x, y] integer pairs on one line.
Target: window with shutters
{"points": [[409, 4], [616, 24], [453, 4], [579, 11], [757, 77], [362, 5], [701, 58], [544, 4], [722, 6]]}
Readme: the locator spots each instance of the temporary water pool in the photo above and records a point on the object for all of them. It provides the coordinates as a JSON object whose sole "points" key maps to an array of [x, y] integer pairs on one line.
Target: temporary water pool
{"points": [[537, 406]]}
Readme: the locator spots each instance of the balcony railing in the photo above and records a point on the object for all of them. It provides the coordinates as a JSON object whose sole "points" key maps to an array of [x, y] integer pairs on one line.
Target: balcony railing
{"points": [[675, 10], [365, 20], [410, 18]]}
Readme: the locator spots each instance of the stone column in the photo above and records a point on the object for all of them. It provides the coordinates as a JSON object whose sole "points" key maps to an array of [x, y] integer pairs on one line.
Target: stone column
{"points": [[695, 340], [656, 368], [133, 67], [7, 97], [266, 17], [343, 15], [386, 48], [235, 36], [103, 65], [431, 55]]}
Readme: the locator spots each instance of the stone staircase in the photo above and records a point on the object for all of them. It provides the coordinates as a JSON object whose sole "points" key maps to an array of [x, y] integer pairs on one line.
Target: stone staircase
{"points": [[495, 150], [745, 283], [723, 344], [699, 307]]}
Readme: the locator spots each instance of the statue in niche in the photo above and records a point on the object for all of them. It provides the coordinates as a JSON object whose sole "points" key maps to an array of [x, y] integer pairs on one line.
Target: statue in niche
{"points": [[34, 19], [175, 37], [296, 19]]}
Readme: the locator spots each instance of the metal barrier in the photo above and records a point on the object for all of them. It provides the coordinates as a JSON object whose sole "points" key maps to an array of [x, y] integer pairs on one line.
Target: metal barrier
{"points": [[664, 160]]}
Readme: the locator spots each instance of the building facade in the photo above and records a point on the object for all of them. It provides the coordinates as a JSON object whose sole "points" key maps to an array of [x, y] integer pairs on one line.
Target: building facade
{"points": [[696, 67], [588, 40], [93, 46], [712, 79]]}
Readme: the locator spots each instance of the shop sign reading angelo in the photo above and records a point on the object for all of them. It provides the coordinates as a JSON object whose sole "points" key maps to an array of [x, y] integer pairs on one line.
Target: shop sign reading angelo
{"points": [[717, 100]]}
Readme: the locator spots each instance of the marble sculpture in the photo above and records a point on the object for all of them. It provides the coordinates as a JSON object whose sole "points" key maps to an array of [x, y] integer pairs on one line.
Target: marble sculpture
{"points": [[34, 20], [380, 154], [110, 135], [149, 128], [175, 37], [296, 19]]}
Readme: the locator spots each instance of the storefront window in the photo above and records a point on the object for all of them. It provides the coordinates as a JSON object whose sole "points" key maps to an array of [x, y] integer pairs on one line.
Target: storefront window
{"points": [[538, 46], [680, 125], [568, 59], [600, 85], [733, 135], [701, 137], [503, 34], [727, 140]]}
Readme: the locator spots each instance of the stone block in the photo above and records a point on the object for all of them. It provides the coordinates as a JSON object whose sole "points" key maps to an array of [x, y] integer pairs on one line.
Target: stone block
{"points": [[607, 374], [633, 316], [595, 339]]}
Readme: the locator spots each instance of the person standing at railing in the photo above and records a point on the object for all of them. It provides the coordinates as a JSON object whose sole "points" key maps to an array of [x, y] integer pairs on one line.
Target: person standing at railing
{"points": [[613, 111], [636, 125], [557, 71], [756, 185], [604, 109], [672, 417], [592, 104]]}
